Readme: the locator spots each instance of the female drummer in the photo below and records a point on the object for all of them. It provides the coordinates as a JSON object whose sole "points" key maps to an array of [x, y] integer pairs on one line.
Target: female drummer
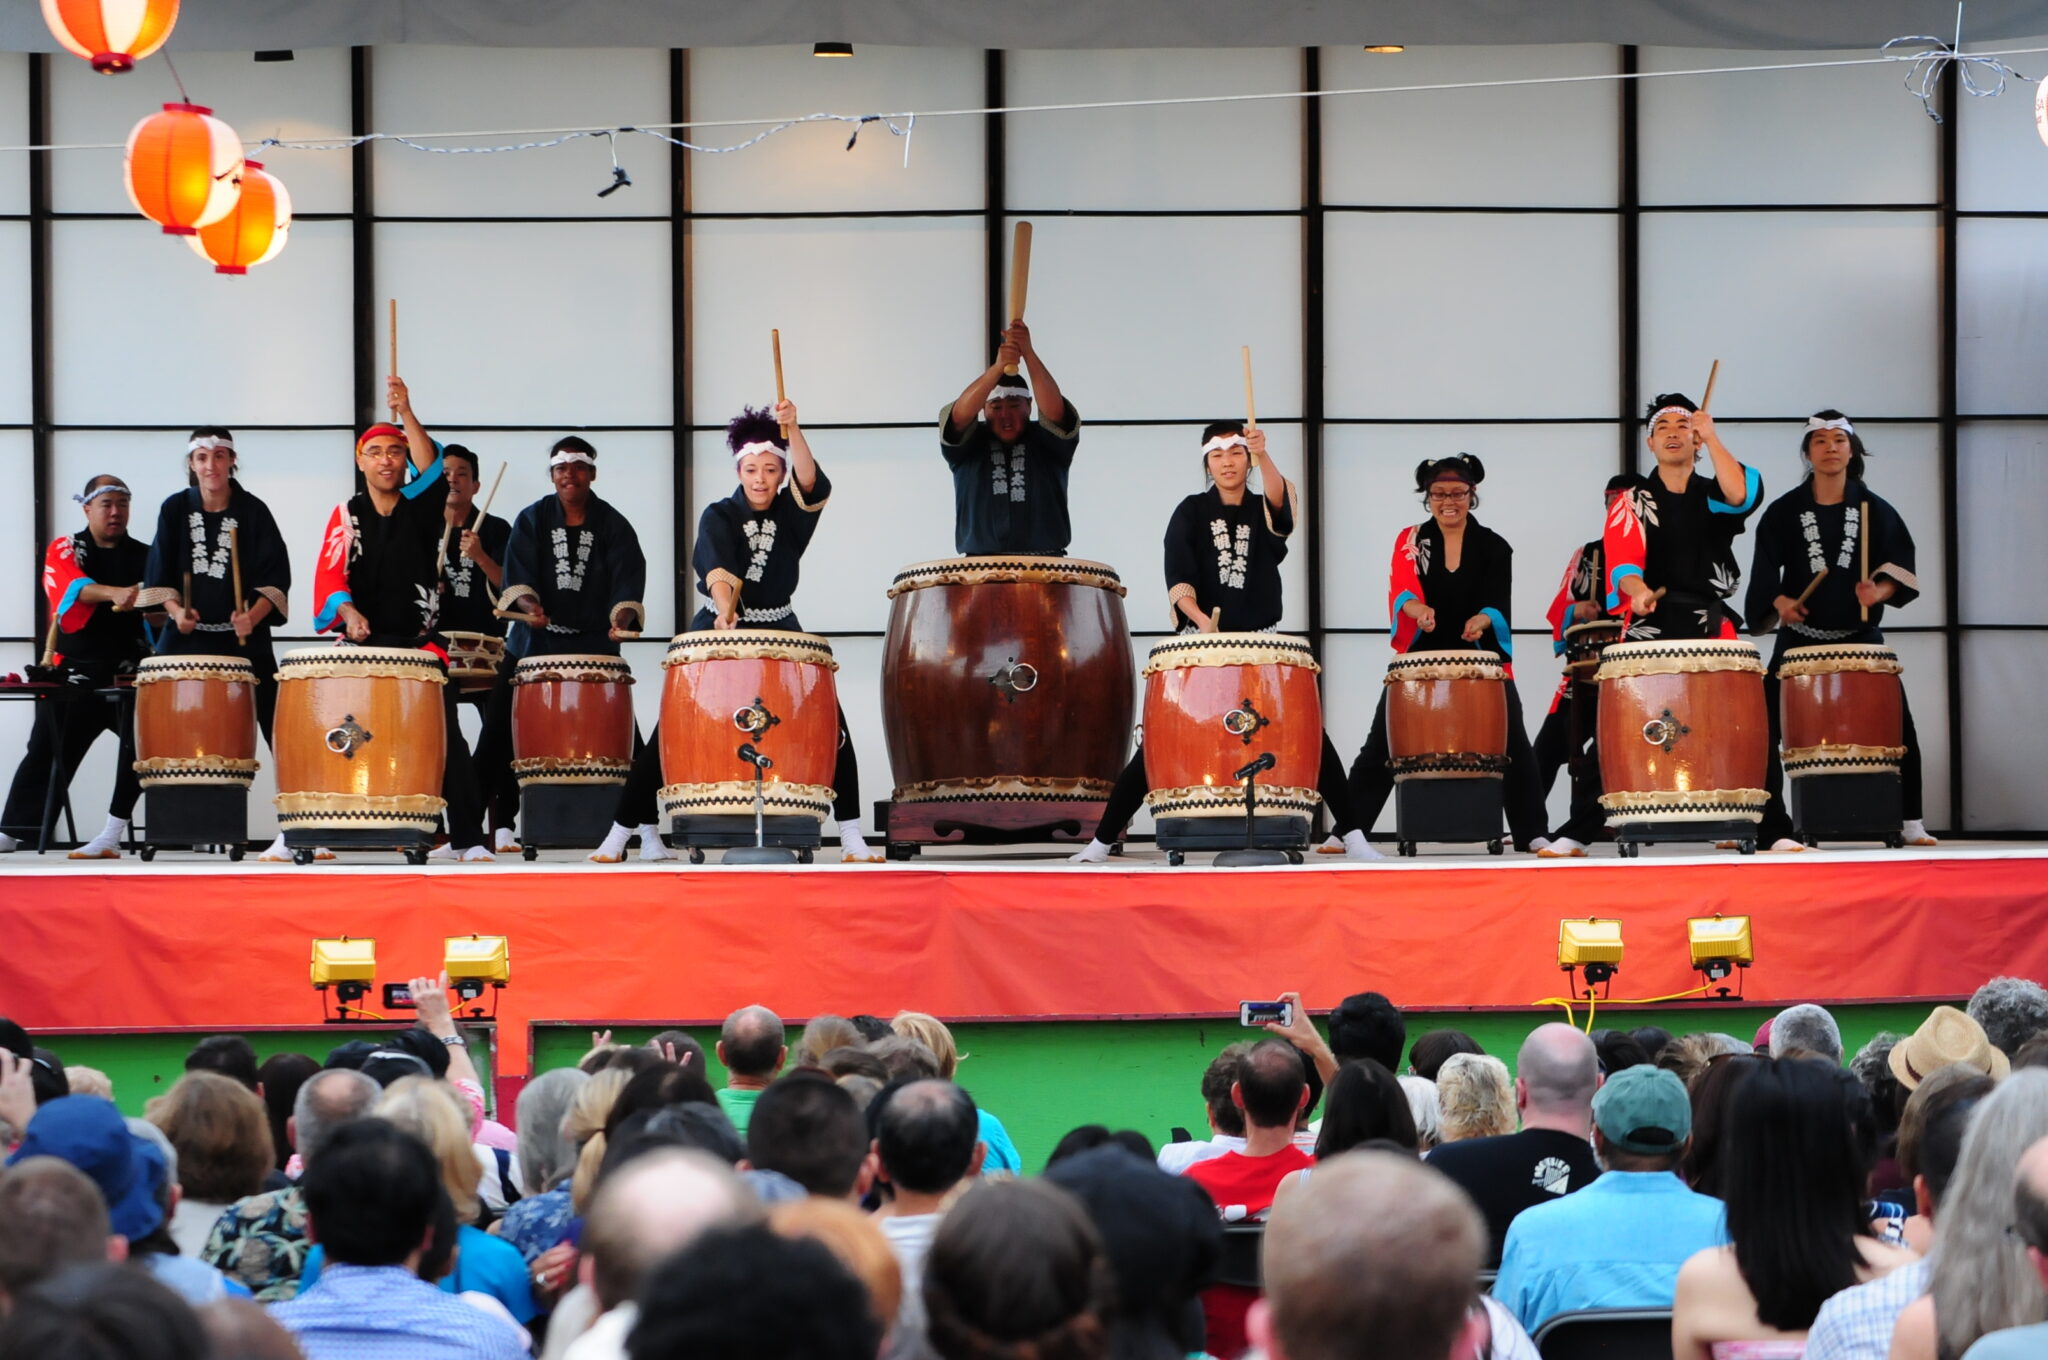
{"points": [[1818, 524], [1450, 591], [749, 550], [1224, 547]]}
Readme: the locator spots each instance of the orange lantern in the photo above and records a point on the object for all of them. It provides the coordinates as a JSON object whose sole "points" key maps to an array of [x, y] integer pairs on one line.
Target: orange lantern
{"points": [[254, 230], [111, 34], [184, 168]]}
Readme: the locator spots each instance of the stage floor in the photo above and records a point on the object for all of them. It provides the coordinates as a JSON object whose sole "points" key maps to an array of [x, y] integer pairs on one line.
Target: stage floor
{"points": [[980, 934]]}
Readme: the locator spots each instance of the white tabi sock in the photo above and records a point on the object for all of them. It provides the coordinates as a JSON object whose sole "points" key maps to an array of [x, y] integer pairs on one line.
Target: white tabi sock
{"points": [[109, 839], [8, 845], [1095, 852], [652, 847], [507, 840], [851, 843], [614, 848], [1356, 846], [478, 854]]}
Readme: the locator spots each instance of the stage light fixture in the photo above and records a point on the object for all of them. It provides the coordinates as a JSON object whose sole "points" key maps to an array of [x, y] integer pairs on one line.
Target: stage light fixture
{"points": [[1719, 945], [831, 49], [476, 961], [1591, 946], [347, 965]]}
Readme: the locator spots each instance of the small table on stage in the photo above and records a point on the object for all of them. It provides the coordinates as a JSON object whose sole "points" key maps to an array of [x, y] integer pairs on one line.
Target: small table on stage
{"points": [[64, 698]]}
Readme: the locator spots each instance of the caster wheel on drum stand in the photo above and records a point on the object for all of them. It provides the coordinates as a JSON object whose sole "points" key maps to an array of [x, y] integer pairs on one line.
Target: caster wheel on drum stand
{"points": [[901, 854], [302, 856], [1494, 847], [1117, 851], [696, 855], [235, 853], [415, 857], [1294, 856], [1406, 849], [529, 853], [1746, 847], [1176, 858], [805, 856], [1628, 849], [1809, 842], [1894, 842], [148, 853]]}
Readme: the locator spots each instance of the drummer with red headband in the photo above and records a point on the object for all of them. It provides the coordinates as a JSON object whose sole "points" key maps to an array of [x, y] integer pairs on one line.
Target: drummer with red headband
{"points": [[378, 580]]}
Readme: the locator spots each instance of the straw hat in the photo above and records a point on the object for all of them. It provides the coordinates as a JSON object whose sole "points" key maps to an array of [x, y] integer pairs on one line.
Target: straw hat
{"points": [[1946, 1036]]}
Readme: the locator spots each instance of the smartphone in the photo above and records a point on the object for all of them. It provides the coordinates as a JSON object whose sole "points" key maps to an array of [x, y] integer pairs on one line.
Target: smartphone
{"points": [[398, 997], [1258, 1014]]}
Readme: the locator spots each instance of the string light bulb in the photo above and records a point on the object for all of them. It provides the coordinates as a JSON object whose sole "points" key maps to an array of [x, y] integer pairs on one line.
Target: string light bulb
{"points": [[1386, 47], [831, 49]]}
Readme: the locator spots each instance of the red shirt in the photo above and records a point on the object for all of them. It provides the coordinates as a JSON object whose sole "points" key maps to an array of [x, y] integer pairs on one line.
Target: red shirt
{"points": [[1243, 1187]]}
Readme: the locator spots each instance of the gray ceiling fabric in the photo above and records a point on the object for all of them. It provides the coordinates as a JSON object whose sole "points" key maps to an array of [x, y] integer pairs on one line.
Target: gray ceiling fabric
{"points": [[250, 25]]}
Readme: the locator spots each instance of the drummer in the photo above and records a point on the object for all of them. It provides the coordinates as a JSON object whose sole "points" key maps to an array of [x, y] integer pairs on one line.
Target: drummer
{"points": [[202, 533], [377, 582], [1450, 590], [1566, 737], [1010, 472], [749, 549], [472, 566], [1819, 524], [100, 565], [1224, 547], [1675, 531]]}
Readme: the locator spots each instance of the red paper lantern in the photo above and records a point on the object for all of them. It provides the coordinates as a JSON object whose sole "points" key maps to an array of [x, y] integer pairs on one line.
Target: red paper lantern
{"points": [[254, 230], [184, 168], [111, 34]]}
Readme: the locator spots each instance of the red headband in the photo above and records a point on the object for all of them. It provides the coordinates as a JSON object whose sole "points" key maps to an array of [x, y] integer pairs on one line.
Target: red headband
{"points": [[379, 432], [1452, 474]]}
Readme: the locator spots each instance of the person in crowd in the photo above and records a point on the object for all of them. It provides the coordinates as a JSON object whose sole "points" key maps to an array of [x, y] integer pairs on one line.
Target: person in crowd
{"points": [[1424, 1110], [1618, 1051], [1793, 1187], [103, 1310], [745, 1292], [753, 1048], [1618, 1242], [86, 1081], [1368, 1025], [222, 1135], [927, 1143], [1476, 1097], [851, 1236], [1431, 1049], [1983, 1279], [1383, 1253], [2010, 1011], [658, 1087], [55, 1217], [1087, 1137], [1018, 1269], [1364, 1104], [278, 1081], [853, 1061], [540, 1218], [370, 1198], [1557, 1073], [1163, 1241], [933, 1034], [1226, 1121], [1686, 1056], [904, 1058], [811, 1131], [1871, 1066], [2033, 1053], [158, 1252], [584, 1126], [241, 1330], [1713, 1095], [1857, 1323], [228, 1054], [1652, 1039], [1806, 1029], [1946, 1036], [826, 1034], [2030, 1225], [262, 1240]]}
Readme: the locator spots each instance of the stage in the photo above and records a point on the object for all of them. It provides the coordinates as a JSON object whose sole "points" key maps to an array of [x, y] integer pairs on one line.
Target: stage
{"points": [[195, 943]]}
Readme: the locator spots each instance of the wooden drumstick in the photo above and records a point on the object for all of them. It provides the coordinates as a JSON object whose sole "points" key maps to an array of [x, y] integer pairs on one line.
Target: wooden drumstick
{"points": [[186, 602], [775, 344], [50, 645], [394, 337], [1251, 410], [1863, 533], [495, 483], [516, 615], [235, 561], [1712, 373], [1811, 586], [1020, 275]]}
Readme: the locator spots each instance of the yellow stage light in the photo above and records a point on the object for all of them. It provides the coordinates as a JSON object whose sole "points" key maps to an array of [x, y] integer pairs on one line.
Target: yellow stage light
{"points": [[474, 961], [1719, 945], [1592, 946], [348, 966]]}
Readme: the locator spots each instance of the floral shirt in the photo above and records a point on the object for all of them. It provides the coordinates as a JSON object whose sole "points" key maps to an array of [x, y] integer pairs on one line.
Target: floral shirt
{"points": [[537, 1222], [261, 1241]]}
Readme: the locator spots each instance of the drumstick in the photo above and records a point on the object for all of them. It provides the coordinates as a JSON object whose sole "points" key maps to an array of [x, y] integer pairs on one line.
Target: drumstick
{"points": [[1251, 411], [1811, 586], [516, 615], [1712, 374], [235, 560], [1863, 533], [50, 647], [1020, 275], [495, 482], [775, 344], [186, 602], [394, 337]]}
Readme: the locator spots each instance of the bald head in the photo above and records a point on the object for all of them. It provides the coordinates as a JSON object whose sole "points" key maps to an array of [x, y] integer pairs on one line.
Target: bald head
{"points": [[1382, 1260], [1558, 1072], [656, 1204], [752, 1044]]}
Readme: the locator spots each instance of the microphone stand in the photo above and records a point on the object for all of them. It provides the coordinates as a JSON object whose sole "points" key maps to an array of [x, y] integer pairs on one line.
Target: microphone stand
{"points": [[1251, 855], [760, 852]]}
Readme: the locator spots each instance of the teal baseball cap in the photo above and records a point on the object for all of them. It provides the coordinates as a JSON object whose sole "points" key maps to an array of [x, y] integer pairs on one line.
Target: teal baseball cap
{"points": [[1644, 1110]]}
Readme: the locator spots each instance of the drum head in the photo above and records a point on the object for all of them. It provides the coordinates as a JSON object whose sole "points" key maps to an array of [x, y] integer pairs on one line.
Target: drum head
{"points": [[747, 644], [1006, 569], [1229, 649]]}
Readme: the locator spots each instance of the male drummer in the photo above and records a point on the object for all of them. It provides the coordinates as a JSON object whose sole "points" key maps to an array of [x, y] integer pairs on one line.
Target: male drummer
{"points": [[1566, 737], [90, 579], [378, 578], [472, 569], [1010, 472]]}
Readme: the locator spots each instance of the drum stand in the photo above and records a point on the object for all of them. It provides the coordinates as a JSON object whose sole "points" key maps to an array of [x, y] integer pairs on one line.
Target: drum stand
{"points": [[1863, 806], [1631, 837], [760, 852], [195, 817], [1455, 809]]}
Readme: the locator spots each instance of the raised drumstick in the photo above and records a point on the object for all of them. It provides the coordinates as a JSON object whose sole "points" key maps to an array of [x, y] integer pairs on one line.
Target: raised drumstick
{"points": [[1251, 410], [1712, 373], [775, 344], [50, 645], [1020, 275], [1811, 586], [235, 561], [1863, 534], [394, 337]]}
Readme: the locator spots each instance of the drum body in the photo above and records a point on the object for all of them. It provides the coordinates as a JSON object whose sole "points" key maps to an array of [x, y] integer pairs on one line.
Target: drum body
{"points": [[1683, 732], [1007, 680], [474, 659], [772, 690], [359, 739], [1841, 709], [1585, 644], [1447, 716], [1214, 702], [195, 721], [572, 720]]}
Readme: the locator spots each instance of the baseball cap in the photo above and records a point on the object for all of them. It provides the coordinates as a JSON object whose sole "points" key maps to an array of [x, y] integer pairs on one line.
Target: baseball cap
{"points": [[1643, 1110], [90, 1134]]}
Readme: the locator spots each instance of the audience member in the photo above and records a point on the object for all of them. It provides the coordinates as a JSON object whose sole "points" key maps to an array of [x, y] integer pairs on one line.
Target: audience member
{"points": [[1226, 1121], [853, 1061], [1475, 1098], [904, 1058], [1424, 1110], [753, 1048], [1983, 1279], [861, 1087], [1618, 1242], [2033, 1053], [812, 1132], [157, 1251], [88, 1081], [2010, 1011], [871, 1027], [927, 1142], [1946, 1036], [279, 1078], [1796, 1225], [1872, 1067], [1366, 1103], [1557, 1073], [2030, 1225], [1427, 1054], [222, 1135], [1920, 1154], [1618, 1051], [1808, 1029], [746, 1293], [1712, 1097], [1381, 1258], [584, 1126], [694, 1125], [1163, 1241], [933, 1034], [370, 1196], [228, 1054], [824, 1034], [851, 1236], [1017, 1269], [1088, 1137], [1688, 1055], [1367, 1025], [658, 1087], [678, 1046], [1652, 1039], [55, 1217], [239, 1329], [547, 1158], [90, 1312]]}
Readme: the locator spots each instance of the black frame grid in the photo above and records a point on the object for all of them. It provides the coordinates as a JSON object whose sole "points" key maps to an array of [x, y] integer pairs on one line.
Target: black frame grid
{"points": [[995, 211]]}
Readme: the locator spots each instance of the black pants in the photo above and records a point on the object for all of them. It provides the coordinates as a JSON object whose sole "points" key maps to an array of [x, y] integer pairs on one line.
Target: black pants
{"points": [[1372, 781], [64, 731], [458, 780], [497, 787], [1777, 822], [1587, 820], [1131, 787], [637, 801], [1553, 744]]}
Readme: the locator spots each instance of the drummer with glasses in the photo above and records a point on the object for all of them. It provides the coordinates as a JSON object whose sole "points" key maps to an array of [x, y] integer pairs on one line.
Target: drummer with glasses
{"points": [[1009, 471]]}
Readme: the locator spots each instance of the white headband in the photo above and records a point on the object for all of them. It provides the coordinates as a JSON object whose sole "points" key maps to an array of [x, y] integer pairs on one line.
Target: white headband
{"points": [[210, 441], [1663, 410], [110, 489], [1816, 423], [739, 455], [1224, 441], [1009, 389], [571, 456]]}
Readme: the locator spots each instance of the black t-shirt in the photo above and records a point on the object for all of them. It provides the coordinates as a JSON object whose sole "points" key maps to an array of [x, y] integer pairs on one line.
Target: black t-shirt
{"points": [[1516, 1171], [392, 578], [107, 637], [1231, 555], [468, 599], [1010, 498]]}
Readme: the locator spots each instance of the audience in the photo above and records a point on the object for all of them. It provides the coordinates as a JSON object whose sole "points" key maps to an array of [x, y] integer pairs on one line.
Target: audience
{"points": [[1017, 1269], [1423, 1110], [1712, 1093], [1088, 1137], [89, 1312], [1475, 1098], [1226, 1121], [824, 1035], [812, 1132], [1432, 1047], [747, 1293], [1364, 1104], [2030, 1225], [157, 1251], [1163, 1241], [231, 1056], [1002, 1153], [2010, 1011], [1946, 1036], [221, 1131], [904, 1058], [1806, 1031], [1368, 1025], [851, 1236], [547, 1159], [1652, 1039], [926, 1144], [88, 1081], [753, 1048], [54, 1217], [1557, 1073], [278, 1081], [1618, 1051]]}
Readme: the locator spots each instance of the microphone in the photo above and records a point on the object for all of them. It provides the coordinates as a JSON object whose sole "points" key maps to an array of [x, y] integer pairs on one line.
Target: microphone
{"points": [[755, 758], [1259, 766]]}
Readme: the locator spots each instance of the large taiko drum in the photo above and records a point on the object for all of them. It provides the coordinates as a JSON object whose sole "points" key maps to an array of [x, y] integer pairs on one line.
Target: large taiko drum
{"points": [[1683, 732], [359, 740], [474, 659], [1215, 702], [1841, 710], [195, 721], [572, 720], [1447, 716], [773, 691], [1007, 690]]}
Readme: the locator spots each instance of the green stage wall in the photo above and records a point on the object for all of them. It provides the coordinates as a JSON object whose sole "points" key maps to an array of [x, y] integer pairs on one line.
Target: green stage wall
{"points": [[1039, 1078]]}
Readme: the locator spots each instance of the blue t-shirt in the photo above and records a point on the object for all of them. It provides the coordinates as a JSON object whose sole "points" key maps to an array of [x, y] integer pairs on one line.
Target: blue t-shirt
{"points": [[483, 1265], [1618, 1243], [1002, 1153]]}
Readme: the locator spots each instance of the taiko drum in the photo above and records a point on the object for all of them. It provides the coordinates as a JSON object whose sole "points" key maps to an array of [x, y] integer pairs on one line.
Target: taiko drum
{"points": [[1841, 710], [572, 720], [473, 659], [1683, 731], [774, 691], [195, 721], [1214, 703], [359, 739], [1447, 716]]}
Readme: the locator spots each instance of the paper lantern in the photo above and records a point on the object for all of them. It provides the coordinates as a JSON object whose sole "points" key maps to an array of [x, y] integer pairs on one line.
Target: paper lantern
{"points": [[111, 34], [254, 230], [184, 168]]}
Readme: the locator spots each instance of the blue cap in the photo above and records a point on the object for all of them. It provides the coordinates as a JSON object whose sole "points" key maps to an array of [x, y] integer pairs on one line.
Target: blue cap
{"points": [[89, 1133], [1643, 1109]]}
